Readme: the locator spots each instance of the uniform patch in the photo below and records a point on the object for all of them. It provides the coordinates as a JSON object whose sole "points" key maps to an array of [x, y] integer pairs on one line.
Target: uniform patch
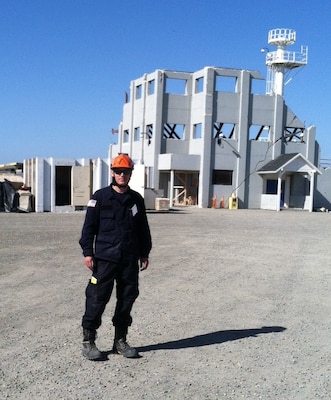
{"points": [[94, 280], [91, 203], [134, 210]]}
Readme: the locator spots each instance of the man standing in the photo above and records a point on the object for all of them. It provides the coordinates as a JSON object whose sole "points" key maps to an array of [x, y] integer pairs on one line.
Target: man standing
{"points": [[116, 241]]}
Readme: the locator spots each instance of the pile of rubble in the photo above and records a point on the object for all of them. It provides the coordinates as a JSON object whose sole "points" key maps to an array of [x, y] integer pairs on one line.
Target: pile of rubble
{"points": [[14, 196]]}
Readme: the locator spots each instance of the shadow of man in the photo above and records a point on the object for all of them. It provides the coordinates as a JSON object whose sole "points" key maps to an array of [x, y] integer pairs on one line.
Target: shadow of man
{"points": [[208, 339]]}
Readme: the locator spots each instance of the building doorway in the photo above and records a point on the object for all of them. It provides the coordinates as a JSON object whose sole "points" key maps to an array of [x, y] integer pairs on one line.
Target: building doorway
{"points": [[62, 185], [185, 188]]}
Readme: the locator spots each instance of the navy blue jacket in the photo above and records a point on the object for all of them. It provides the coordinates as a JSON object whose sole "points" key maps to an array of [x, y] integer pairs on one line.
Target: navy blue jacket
{"points": [[116, 226]]}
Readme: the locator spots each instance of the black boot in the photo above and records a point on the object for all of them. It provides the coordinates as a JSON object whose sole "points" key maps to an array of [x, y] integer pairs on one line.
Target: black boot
{"points": [[90, 350], [121, 346]]}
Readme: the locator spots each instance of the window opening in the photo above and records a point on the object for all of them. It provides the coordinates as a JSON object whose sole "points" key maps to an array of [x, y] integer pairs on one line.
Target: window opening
{"points": [[151, 87], [173, 131], [259, 132], [138, 91], [199, 85], [225, 83], [175, 86], [222, 177], [126, 136], [257, 86], [271, 186], [149, 133], [137, 134], [294, 134], [224, 130], [197, 131]]}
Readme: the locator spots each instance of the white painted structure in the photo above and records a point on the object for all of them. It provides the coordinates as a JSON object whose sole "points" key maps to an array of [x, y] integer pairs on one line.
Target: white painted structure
{"points": [[60, 185], [202, 138], [281, 61], [206, 134]]}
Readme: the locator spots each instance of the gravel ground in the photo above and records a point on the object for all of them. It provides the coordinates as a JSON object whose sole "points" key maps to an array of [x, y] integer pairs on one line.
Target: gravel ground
{"points": [[235, 305]]}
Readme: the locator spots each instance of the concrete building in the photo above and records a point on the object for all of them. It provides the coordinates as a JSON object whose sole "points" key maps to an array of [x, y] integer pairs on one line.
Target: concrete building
{"points": [[203, 138], [60, 185], [205, 135]]}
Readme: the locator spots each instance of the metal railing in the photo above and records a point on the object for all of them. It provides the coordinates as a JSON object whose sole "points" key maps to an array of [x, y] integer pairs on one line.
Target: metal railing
{"points": [[288, 57]]}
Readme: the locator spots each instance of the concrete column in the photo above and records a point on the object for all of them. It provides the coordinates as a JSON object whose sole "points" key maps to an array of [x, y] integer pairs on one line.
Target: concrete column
{"points": [[52, 183], [171, 194], [310, 138], [279, 191], [97, 169], [133, 99], [278, 127], [157, 126], [311, 194], [39, 184], [287, 191], [207, 129], [243, 136]]}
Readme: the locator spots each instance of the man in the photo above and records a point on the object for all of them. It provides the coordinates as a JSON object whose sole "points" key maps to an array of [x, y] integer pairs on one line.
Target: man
{"points": [[115, 240]]}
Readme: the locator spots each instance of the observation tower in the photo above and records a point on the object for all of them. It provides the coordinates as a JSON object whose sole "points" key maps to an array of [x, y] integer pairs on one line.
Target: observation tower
{"points": [[282, 61]]}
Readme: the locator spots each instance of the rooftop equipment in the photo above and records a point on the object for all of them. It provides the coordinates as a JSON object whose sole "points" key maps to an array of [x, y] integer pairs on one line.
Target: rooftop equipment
{"points": [[282, 61]]}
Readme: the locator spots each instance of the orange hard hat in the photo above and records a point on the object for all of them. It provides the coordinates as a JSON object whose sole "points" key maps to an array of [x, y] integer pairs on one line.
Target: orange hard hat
{"points": [[122, 161]]}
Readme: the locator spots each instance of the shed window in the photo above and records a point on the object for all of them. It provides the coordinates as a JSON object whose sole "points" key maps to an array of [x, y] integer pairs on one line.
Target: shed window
{"points": [[271, 186]]}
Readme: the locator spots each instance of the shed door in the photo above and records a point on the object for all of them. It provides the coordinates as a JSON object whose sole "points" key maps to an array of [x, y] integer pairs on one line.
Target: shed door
{"points": [[81, 186]]}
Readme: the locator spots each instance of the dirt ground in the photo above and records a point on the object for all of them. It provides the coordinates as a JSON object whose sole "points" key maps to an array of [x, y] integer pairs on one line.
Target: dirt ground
{"points": [[235, 305]]}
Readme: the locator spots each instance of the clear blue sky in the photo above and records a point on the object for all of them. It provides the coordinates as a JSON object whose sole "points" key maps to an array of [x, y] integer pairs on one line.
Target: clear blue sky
{"points": [[66, 64]]}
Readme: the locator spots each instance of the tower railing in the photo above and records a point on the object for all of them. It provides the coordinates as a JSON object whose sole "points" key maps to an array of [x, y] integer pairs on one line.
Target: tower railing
{"points": [[291, 57]]}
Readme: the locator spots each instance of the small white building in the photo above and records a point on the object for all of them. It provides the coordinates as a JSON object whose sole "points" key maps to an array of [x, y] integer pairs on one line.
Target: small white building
{"points": [[59, 185]]}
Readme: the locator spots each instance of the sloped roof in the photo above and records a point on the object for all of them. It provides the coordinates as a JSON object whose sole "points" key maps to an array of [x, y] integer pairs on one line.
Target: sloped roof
{"points": [[285, 160]]}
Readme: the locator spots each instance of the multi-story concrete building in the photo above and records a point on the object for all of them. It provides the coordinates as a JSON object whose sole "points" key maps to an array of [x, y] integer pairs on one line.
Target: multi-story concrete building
{"points": [[206, 135], [204, 138]]}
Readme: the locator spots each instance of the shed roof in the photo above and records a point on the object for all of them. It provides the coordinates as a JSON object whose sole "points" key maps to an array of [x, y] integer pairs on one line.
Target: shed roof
{"points": [[293, 162]]}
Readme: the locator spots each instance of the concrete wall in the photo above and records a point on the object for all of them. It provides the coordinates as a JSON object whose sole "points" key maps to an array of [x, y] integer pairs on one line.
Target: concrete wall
{"points": [[322, 196]]}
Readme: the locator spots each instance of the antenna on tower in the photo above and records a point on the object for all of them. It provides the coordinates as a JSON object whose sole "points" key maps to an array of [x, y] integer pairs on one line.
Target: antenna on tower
{"points": [[281, 61]]}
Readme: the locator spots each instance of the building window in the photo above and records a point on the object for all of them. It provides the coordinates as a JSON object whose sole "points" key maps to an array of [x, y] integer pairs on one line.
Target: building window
{"points": [[175, 86], [137, 134], [138, 91], [126, 136], [257, 86], [173, 131], [151, 87], [292, 134], [222, 177], [225, 83], [259, 132], [149, 133], [199, 85], [224, 130], [197, 131], [271, 186]]}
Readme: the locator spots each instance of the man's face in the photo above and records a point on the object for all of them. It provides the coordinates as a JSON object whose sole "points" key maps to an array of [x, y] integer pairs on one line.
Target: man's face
{"points": [[121, 176]]}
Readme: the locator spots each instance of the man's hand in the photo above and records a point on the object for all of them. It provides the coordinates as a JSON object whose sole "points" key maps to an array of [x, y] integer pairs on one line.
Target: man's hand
{"points": [[143, 264], [89, 262]]}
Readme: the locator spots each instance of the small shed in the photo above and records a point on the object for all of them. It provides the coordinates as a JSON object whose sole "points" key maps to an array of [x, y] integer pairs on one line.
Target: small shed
{"points": [[288, 182]]}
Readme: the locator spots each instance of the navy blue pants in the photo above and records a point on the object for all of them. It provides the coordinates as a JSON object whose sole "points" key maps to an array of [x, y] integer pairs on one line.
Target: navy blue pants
{"points": [[99, 290]]}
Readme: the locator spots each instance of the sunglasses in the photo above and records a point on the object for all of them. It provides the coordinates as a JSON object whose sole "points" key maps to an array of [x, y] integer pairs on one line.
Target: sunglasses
{"points": [[122, 171]]}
